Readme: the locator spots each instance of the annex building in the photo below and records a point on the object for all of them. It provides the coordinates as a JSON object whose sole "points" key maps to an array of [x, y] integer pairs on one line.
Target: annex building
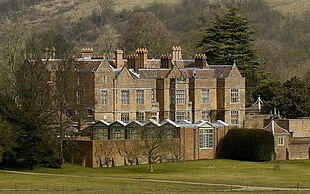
{"points": [[135, 88]]}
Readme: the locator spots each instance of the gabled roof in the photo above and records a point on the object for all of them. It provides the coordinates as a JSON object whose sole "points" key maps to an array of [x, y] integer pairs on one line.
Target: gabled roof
{"points": [[151, 121], [125, 71], [118, 122], [221, 71], [202, 123], [134, 122], [219, 123], [274, 128], [257, 106], [168, 121]]}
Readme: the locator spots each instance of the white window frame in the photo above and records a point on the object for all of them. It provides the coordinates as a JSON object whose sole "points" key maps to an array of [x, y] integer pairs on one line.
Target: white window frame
{"points": [[205, 96], [180, 97], [206, 138], [101, 134], [104, 97], [234, 117], [281, 141], [118, 134], [234, 95], [125, 97], [125, 117], [181, 116], [140, 97], [205, 115], [153, 95], [140, 116]]}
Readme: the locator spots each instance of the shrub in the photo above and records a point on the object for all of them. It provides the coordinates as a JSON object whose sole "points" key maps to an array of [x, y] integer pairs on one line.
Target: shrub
{"points": [[248, 144]]}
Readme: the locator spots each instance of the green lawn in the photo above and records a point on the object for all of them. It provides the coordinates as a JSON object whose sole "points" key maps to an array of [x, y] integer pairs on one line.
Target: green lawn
{"points": [[115, 180]]}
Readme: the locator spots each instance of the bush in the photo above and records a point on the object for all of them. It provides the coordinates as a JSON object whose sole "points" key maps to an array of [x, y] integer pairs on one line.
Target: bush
{"points": [[248, 144]]}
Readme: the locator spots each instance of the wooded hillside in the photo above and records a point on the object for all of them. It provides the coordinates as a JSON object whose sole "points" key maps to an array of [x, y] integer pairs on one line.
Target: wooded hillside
{"points": [[282, 27]]}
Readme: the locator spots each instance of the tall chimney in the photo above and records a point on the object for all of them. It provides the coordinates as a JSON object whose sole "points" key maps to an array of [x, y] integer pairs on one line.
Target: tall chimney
{"points": [[132, 61], [201, 61], [119, 63], [47, 53], [87, 52], [166, 61], [53, 53], [176, 53], [142, 54]]}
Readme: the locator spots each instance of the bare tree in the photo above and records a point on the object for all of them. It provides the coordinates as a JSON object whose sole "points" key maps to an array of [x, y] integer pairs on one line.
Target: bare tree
{"points": [[154, 143], [107, 40]]}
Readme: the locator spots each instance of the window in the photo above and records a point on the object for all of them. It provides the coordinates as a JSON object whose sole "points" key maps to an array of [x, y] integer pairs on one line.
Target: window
{"points": [[118, 134], [104, 97], [140, 96], [205, 115], [234, 95], [133, 134], [172, 133], [125, 117], [125, 97], [153, 95], [180, 96], [280, 141], [105, 79], [100, 134], [206, 138], [234, 117], [140, 116], [205, 95], [180, 116]]}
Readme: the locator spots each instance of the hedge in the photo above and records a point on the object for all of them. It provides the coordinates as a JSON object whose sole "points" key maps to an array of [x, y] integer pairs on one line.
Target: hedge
{"points": [[248, 145]]}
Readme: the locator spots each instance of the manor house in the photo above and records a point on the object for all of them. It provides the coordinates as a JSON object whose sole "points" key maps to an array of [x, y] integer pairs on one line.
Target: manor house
{"points": [[135, 88]]}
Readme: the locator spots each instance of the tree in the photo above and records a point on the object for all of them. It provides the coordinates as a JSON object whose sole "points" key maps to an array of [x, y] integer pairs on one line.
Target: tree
{"points": [[292, 99], [107, 40], [147, 31], [156, 144], [14, 35], [228, 40]]}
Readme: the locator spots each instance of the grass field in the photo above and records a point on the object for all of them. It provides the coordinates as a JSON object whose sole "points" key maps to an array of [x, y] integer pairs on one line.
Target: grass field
{"points": [[136, 179]]}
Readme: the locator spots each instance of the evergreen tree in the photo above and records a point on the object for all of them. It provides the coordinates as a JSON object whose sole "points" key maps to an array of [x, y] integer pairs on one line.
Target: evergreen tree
{"points": [[230, 39]]}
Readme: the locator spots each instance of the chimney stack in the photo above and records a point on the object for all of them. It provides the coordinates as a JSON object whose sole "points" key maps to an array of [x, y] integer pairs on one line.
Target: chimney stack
{"points": [[87, 52], [132, 61], [166, 61], [119, 63], [176, 53], [142, 54], [201, 61], [50, 53]]}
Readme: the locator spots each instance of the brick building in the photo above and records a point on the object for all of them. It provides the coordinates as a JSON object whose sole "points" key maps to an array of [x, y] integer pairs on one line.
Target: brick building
{"points": [[118, 143], [138, 88]]}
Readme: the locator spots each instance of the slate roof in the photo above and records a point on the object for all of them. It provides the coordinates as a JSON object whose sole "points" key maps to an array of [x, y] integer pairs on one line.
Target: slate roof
{"points": [[221, 71]]}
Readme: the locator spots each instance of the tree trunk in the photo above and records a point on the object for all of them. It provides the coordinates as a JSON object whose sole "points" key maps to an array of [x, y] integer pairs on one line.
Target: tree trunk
{"points": [[151, 166]]}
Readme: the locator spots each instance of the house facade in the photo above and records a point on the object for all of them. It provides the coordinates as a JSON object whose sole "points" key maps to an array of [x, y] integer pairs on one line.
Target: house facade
{"points": [[138, 88]]}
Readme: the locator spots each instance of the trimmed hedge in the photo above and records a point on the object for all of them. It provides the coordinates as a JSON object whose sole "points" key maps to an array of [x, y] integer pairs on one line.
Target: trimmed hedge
{"points": [[248, 144]]}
